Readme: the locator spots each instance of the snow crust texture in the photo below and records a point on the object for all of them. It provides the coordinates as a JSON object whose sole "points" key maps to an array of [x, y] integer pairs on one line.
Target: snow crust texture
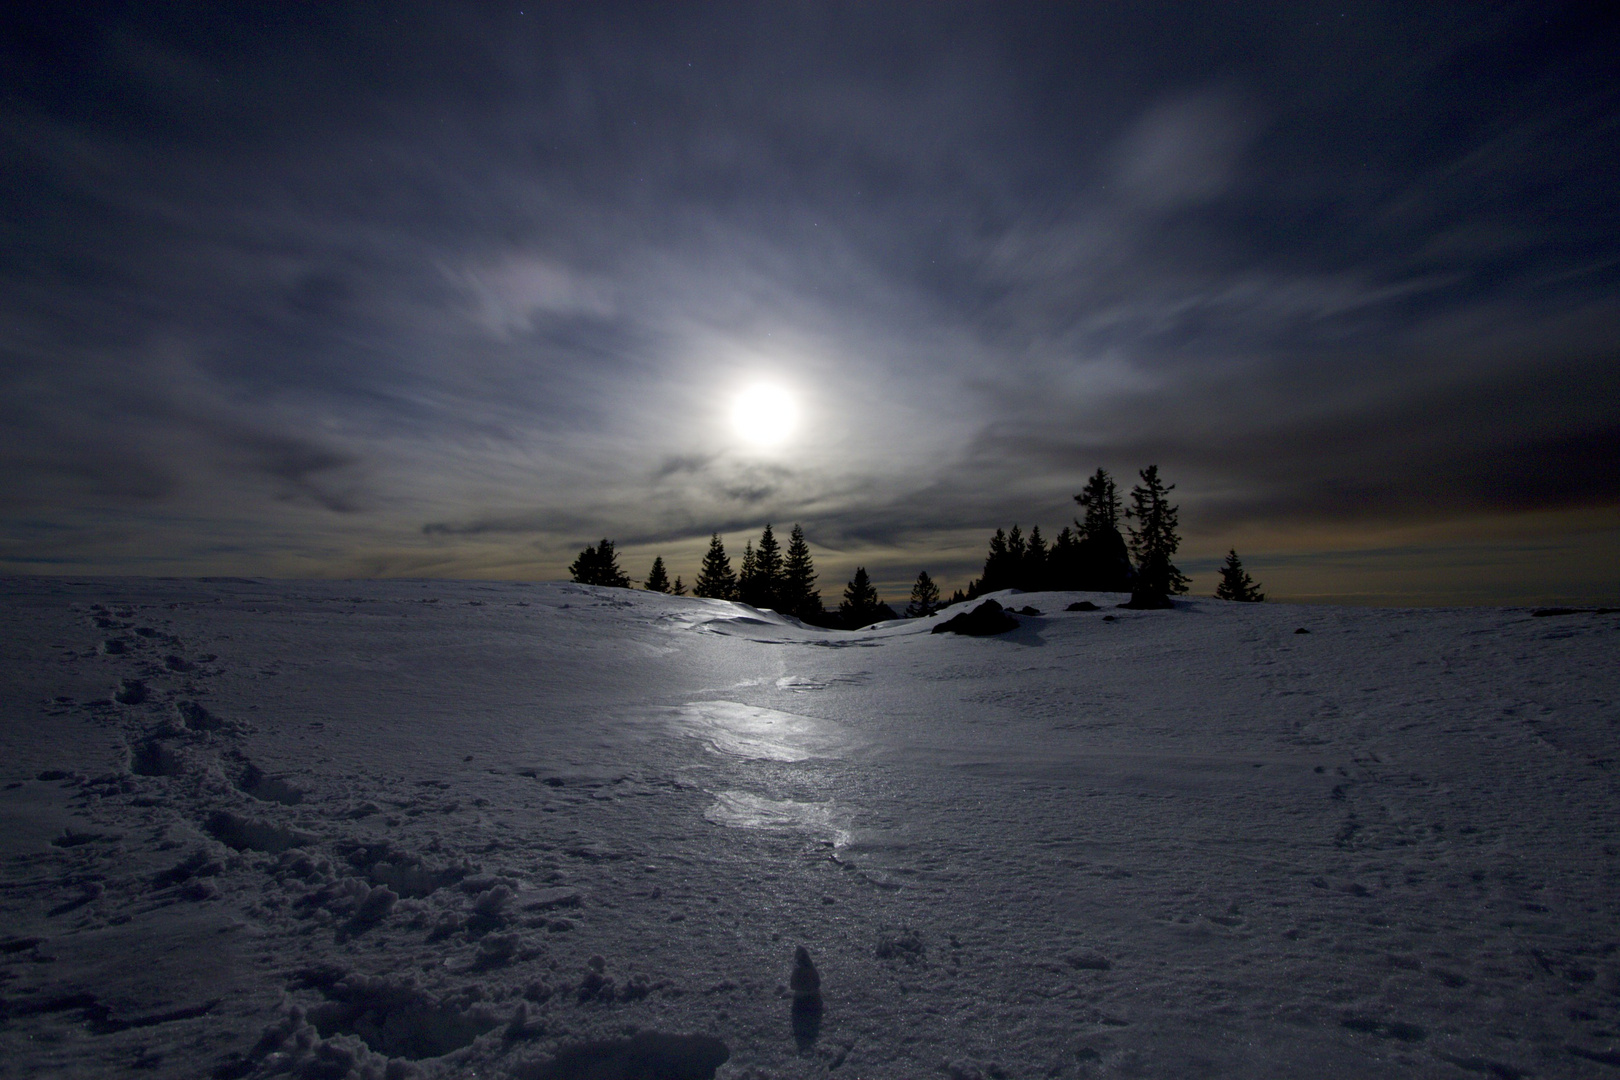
{"points": [[425, 829]]}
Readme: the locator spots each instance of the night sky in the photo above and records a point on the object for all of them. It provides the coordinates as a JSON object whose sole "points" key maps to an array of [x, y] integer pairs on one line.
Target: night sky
{"points": [[449, 290]]}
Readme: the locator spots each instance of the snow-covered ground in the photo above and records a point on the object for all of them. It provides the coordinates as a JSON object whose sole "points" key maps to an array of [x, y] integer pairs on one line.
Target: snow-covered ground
{"points": [[457, 829]]}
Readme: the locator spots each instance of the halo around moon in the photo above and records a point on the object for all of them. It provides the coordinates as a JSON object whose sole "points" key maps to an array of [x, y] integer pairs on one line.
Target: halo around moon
{"points": [[764, 414]]}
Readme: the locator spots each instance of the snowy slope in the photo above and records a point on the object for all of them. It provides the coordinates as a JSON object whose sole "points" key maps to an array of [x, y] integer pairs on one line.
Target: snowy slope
{"points": [[449, 829]]}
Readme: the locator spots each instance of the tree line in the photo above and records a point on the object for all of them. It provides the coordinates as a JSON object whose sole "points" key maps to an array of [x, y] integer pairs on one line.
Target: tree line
{"points": [[768, 577], [1096, 556], [1093, 555]]}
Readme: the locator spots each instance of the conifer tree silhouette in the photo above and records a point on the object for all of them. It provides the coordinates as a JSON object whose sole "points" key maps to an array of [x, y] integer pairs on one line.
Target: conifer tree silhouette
{"points": [[924, 597], [1235, 583], [599, 565], [1154, 542], [1101, 560], [678, 589], [760, 583], [715, 578], [747, 585], [799, 596], [860, 605], [1100, 500], [1063, 561], [1032, 568], [998, 567], [657, 577]]}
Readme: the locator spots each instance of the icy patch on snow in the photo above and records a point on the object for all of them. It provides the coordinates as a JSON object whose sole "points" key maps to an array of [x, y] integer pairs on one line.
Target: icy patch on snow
{"points": [[742, 810], [747, 731]]}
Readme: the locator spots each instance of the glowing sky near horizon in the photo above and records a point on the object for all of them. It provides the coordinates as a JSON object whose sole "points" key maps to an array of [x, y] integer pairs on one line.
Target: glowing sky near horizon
{"points": [[291, 290]]}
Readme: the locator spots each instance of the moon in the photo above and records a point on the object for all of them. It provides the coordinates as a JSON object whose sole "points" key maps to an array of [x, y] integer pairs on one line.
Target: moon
{"points": [[764, 414]]}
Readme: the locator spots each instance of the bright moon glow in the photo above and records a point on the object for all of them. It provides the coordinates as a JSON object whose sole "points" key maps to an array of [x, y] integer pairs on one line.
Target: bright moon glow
{"points": [[764, 414]]}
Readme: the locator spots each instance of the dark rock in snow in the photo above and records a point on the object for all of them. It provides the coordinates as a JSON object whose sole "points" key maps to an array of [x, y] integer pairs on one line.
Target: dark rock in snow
{"points": [[1302, 630], [986, 619], [1082, 605], [1148, 601], [1027, 610]]}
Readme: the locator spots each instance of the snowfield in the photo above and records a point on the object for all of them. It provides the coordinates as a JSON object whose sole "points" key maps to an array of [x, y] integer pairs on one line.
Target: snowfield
{"points": [[392, 829]]}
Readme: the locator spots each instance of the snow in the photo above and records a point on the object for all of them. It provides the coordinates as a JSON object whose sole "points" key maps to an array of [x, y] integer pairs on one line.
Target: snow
{"points": [[253, 828]]}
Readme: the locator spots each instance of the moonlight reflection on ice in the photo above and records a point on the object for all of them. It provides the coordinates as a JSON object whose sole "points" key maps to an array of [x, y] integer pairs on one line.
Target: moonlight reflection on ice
{"points": [[747, 731], [742, 810]]}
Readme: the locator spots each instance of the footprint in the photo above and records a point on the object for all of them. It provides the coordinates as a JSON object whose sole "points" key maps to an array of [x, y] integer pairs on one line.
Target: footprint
{"points": [[197, 718], [648, 1053], [154, 757], [255, 783], [252, 834]]}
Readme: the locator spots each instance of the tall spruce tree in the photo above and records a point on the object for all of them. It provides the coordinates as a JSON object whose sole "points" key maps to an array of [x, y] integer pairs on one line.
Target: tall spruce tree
{"points": [[799, 596], [747, 582], [1100, 500], [924, 597], [767, 571], [583, 570], [999, 567], [1101, 560], [715, 578], [679, 589], [657, 577], [1154, 541], [599, 565], [1063, 561], [1032, 569], [860, 605], [1235, 583]]}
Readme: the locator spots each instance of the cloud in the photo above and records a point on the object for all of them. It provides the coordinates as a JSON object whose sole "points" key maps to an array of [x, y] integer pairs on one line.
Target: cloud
{"points": [[1184, 150], [498, 275], [507, 296]]}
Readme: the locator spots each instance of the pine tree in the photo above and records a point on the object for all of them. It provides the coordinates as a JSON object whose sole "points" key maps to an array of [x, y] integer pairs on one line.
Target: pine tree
{"points": [[767, 571], [924, 597], [1063, 561], [799, 596], [860, 604], [747, 577], [1155, 541], [599, 565], [998, 564], [657, 577], [1100, 561], [678, 589], [1015, 550], [1235, 582], [1100, 499], [1032, 571], [715, 579], [582, 571]]}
